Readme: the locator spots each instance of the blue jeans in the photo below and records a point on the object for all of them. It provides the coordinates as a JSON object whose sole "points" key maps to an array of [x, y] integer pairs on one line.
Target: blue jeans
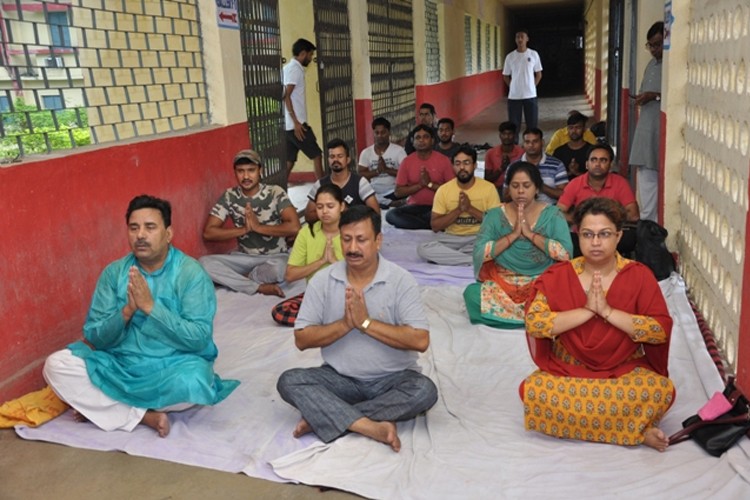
{"points": [[331, 402], [530, 110]]}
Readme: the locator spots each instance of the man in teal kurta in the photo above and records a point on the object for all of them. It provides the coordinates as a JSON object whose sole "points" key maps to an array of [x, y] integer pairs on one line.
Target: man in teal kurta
{"points": [[148, 345]]}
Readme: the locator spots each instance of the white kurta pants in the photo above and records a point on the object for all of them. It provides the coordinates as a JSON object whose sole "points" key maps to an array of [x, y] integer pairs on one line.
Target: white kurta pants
{"points": [[66, 374]]}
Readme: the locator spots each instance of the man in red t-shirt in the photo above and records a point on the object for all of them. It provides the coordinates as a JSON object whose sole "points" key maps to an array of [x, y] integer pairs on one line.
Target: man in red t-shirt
{"points": [[598, 181], [419, 176], [497, 159]]}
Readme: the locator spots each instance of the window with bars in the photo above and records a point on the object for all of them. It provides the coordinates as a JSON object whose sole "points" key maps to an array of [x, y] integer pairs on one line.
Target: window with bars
{"points": [[81, 72], [432, 42], [487, 48], [479, 45], [468, 53], [391, 42]]}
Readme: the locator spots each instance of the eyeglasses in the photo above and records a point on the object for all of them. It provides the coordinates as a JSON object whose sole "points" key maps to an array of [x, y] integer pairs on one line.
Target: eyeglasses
{"points": [[590, 235], [656, 45]]}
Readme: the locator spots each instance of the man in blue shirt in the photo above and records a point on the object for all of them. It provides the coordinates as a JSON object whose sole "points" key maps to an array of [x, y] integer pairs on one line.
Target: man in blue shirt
{"points": [[554, 174], [148, 338]]}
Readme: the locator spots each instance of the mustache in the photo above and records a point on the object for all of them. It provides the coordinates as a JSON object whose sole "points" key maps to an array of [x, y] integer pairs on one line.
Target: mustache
{"points": [[353, 254], [142, 243]]}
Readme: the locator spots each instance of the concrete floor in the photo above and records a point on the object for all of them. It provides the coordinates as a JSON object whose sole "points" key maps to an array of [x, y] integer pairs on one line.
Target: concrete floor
{"points": [[34, 470]]}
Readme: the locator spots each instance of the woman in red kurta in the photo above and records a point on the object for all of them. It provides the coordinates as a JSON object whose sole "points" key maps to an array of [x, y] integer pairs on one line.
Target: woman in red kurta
{"points": [[598, 329]]}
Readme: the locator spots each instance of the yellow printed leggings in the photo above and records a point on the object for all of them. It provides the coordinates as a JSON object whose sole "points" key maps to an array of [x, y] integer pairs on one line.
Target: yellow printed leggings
{"points": [[608, 410]]}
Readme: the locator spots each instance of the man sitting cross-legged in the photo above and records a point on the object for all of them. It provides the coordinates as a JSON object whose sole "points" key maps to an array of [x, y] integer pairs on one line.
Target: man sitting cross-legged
{"points": [[419, 176], [380, 162], [356, 189], [599, 181], [458, 210], [263, 217], [366, 315], [148, 346]]}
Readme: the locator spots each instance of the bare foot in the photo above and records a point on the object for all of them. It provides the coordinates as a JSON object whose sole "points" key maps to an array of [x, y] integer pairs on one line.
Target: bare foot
{"points": [[158, 421], [271, 289], [655, 438], [385, 432], [302, 428], [78, 417]]}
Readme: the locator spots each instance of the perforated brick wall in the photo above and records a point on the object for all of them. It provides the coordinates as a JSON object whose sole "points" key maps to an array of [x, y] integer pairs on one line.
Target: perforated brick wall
{"points": [[713, 196]]}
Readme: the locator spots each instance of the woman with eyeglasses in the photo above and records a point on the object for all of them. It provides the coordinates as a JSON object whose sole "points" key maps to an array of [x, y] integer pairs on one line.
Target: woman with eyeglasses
{"points": [[516, 243], [598, 328]]}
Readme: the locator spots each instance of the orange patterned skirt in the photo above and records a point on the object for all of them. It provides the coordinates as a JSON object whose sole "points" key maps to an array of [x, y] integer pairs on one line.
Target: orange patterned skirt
{"points": [[606, 410]]}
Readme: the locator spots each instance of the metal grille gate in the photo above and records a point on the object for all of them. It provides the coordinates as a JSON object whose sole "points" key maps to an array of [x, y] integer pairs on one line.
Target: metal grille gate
{"points": [[260, 40], [392, 63], [335, 72]]}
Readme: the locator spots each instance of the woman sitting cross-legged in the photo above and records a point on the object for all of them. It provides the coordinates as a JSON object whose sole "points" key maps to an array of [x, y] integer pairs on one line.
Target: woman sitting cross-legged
{"points": [[598, 329], [515, 244], [314, 249]]}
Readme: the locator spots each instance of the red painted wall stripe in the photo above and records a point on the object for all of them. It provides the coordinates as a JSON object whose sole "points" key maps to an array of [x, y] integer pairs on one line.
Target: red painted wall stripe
{"points": [[463, 98], [363, 123], [662, 156], [63, 220], [743, 350]]}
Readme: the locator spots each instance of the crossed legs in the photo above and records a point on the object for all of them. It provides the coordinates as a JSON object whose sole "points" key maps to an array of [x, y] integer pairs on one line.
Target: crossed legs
{"points": [[332, 404]]}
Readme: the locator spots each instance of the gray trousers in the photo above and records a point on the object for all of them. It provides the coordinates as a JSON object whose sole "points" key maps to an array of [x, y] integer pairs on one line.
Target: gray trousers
{"points": [[648, 193], [331, 402], [245, 273], [448, 250]]}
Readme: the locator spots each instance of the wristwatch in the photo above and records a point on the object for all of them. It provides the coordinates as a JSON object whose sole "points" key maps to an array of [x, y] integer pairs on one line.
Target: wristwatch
{"points": [[430, 185], [658, 98], [365, 324]]}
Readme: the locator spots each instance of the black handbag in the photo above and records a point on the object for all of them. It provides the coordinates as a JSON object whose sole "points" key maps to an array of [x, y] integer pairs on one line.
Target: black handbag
{"points": [[718, 435]]}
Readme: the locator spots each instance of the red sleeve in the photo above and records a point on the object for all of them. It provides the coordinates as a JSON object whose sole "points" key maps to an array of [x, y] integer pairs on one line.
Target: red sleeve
{"points": [[624, 194], [448, 173], [568, 196], [402, 177], [492, 160]]}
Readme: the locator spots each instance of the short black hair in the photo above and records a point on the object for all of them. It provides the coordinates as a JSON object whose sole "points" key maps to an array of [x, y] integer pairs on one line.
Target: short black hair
{"points": [[577, 118], [605, 147], [148, 201], [507, 126], [426, 128], [534, 131], [427, 105], [466, 149], [302, 45], [610, 208], [356, 213], [449, 121], [338, 143], [655, 29], [381, 120]]}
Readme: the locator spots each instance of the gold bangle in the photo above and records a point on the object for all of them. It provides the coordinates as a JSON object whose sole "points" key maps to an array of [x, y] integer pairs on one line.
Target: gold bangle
{"points": [[606, 318]]}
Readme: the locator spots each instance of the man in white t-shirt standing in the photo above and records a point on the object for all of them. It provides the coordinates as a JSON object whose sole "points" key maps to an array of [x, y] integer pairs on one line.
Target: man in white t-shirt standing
{"points": [[299, 135], [522, 72], [379, 163]]}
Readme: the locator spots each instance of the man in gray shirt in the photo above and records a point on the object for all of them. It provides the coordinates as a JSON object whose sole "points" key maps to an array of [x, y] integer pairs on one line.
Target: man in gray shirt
{"points": [[366, 315]]}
